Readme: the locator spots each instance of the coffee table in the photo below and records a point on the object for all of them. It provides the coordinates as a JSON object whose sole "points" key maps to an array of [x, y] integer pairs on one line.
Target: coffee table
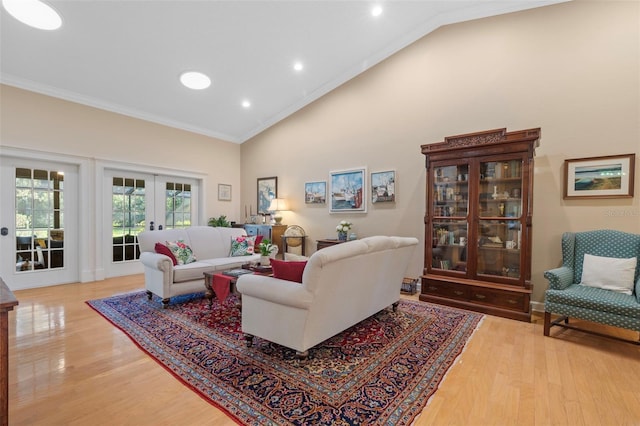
{"points": [[208, 281]]}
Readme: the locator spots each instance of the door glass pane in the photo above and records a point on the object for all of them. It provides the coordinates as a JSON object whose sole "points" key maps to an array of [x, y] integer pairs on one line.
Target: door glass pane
{"points": [[127, 217], [39, 219], [449, 245], [501, 189], [500, 205], [451, 191], [177, 205], [499, 248]]}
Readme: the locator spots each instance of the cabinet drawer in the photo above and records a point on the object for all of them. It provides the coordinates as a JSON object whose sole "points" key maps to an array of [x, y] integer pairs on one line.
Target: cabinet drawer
{"points": [[454, 291], [503, 299]]}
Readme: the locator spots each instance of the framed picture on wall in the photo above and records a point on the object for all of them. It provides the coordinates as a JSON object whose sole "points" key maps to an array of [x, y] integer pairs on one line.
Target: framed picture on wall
{"points": [[347, 191], [383, 187], [315, 192], [599, 177], [224, 192], [267, 191]]}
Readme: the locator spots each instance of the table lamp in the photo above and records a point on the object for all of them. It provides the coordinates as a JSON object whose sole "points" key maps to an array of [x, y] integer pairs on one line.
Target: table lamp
{"points": [[277, 205]]}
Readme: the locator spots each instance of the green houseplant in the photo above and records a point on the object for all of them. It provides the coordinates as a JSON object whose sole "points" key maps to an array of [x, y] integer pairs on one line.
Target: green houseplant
{"points": [[266, 250], [220, 222]]}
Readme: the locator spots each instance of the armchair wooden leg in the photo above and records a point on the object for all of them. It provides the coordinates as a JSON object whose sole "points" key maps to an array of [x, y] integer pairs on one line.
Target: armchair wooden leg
{"points": [[547, 323], [165, 303], [149, 295], [302, 355], [394, 307]]}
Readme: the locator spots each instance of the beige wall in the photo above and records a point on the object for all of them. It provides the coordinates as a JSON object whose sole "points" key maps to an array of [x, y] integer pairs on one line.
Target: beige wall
{"points": [[42, 123], [571, 69]]}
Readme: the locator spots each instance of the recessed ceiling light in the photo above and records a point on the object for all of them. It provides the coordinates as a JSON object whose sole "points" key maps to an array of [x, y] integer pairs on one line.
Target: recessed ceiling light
{"points": [[246, 104], [376, 11], [33, 13], [298, 66], [195, 80]]}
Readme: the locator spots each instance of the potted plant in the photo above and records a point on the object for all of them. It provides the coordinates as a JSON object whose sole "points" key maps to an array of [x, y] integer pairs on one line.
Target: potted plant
{"points": [[220, 222], [342, 229], [267, 249]]}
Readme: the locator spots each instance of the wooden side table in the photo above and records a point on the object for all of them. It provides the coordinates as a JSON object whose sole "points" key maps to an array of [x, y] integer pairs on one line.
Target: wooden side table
{"points": [[7, 302], [328, 243]]}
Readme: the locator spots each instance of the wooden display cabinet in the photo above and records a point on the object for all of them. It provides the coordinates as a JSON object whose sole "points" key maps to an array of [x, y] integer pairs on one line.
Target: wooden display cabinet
{"points": [[478, 222]]}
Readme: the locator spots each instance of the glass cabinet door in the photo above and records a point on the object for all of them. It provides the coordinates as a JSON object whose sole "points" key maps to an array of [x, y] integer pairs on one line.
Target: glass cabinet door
{"points": [[450, 217], [500, 224]]}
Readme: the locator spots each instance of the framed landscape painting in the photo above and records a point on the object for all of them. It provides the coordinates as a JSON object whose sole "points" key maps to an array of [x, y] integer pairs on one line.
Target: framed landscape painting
{"points": [[315, 192], [383, 187], [599, 177], [347, 191], [267, 191]]}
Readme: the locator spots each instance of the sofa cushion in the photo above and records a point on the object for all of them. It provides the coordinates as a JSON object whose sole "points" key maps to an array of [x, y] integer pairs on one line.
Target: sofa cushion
{"points": [[242, 246], [221, 263], [609, 273], [191, 271], [595, 299], [163, 249], [182, 252], [288, 270]]}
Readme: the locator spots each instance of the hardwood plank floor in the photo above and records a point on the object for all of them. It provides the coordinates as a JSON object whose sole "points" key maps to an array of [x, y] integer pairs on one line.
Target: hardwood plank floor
{"points": [[69, 366]]}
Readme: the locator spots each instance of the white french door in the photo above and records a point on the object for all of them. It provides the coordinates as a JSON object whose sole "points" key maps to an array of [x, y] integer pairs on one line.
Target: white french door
{"points": [[38, 222], [136, 201]]}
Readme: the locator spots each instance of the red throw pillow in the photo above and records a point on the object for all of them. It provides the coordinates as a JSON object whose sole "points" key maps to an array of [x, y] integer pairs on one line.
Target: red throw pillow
{"points": [[288, 270], [162, 249], [257, 243]]}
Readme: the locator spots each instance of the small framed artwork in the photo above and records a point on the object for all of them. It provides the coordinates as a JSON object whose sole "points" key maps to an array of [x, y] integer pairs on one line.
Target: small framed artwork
{"points": [[383, 187], [347, 191], [599, 177], [224, 192], [267, 191], [315, 192]]}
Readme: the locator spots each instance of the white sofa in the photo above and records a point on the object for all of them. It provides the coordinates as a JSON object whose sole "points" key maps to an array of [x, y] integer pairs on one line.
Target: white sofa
{"points": [[341, 286], [211, 247]]}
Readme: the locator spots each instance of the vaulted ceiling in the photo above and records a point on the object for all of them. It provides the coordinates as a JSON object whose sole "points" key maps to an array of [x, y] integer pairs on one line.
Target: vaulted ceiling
{"points": [[127, 56]]}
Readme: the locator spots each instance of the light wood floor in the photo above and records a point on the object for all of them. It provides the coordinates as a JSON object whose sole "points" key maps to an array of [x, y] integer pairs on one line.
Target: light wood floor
{"points": [[69, 366]]}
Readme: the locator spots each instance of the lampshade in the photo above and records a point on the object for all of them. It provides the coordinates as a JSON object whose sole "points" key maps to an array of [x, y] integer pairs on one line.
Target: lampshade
{"points": [[277, 205]]}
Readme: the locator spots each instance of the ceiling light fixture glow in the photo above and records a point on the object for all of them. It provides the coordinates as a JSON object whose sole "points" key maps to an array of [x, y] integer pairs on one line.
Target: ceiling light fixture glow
{"points": [[246, 104], [195, 80], [376, 11], [34, 13], [298, 66]]}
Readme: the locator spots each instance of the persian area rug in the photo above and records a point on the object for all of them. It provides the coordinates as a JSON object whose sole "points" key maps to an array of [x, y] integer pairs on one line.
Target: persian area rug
{"points": [[381, 371]]}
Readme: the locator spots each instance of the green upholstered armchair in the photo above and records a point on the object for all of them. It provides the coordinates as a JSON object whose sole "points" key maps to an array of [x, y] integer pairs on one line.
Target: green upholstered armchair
{"points": [[569, 299]]}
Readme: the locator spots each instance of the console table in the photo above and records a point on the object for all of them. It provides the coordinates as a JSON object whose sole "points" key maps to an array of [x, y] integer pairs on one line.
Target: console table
{"points": [[7, 302], [272, 232]]}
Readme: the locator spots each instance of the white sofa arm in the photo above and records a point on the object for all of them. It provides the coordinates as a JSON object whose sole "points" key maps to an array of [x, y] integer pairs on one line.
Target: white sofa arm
{"points": [[275, 290], [156, 261]]}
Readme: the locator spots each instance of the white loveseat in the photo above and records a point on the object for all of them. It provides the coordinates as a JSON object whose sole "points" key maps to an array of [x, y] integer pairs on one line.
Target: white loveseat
{"points": [[211, 247], [341, 286]]}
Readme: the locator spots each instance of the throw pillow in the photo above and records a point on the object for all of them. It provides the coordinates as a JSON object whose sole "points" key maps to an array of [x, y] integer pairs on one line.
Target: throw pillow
{"points": [[609, 273], [181, 251], [162, 249], [258, 241], [288, 270], [242, 246]]}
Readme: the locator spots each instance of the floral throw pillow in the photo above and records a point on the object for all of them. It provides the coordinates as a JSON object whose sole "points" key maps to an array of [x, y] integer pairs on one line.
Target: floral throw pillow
{"points": [[242, 246], [181, 252]]}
